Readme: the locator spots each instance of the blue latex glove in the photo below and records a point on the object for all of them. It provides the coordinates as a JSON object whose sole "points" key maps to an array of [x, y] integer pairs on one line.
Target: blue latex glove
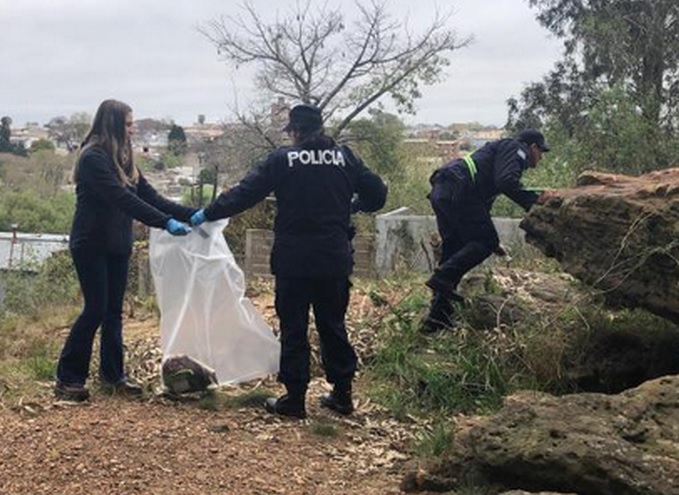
{"points": [[198, 217], [176, 227]]}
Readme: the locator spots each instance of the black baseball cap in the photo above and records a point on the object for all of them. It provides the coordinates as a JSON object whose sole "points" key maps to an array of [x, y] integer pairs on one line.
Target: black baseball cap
{"points": [[304, 118], [531, 136]]}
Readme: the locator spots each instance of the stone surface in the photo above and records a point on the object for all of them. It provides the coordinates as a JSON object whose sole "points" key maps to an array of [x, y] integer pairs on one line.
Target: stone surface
{"points": [[617, 233], [589, 444], [595, 355]]}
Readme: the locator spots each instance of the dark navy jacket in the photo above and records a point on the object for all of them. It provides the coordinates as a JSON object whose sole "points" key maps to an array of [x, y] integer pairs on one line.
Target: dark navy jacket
{"points": [[499, 165], [105, 206], [314, 190]]}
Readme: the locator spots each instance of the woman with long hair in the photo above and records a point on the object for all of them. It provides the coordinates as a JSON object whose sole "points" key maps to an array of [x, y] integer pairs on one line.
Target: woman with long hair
{"points": [[110, 193]]}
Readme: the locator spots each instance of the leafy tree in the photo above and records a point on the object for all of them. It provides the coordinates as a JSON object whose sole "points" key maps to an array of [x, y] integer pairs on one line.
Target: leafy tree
{"points": [[620, 67], [5, 134], [316, 55], [6, 144], [379, 141], [70, 131], [176, 140]]}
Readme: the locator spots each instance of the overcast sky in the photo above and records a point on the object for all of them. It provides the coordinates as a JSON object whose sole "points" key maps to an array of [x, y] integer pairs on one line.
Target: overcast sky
{"points": [[59, 57]]}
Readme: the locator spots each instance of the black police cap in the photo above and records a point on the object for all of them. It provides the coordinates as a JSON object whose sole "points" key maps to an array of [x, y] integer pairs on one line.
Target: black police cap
{"points": [[531, 136], [304, 117]]}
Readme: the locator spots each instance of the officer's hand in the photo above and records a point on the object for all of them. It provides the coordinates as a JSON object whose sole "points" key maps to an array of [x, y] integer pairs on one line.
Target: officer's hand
{"points": [[198, 217], [546, 196], [176, 227]]}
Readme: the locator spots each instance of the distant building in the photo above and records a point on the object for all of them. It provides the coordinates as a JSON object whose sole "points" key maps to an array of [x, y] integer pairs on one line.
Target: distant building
{"points": [[201, 133], [29, 135], [433, 151]]}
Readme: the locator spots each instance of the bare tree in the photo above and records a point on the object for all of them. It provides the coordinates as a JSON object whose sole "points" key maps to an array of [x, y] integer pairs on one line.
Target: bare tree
{"points": [[315, 55]]}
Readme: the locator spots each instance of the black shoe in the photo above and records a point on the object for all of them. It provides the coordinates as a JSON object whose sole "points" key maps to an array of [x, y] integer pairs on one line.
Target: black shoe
{"points": [[339, 402], [286, 405], [71, 393], [447, 289], [429, 326], [124, 389], [432, 325]]}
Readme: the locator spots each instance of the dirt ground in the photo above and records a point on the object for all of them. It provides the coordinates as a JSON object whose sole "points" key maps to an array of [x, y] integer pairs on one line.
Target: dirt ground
{"points": [[113, 445]]}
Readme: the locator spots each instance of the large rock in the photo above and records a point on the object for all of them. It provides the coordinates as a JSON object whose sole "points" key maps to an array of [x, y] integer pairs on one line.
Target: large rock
{"points": [[589, 444], [588, 352], [619, 234]]}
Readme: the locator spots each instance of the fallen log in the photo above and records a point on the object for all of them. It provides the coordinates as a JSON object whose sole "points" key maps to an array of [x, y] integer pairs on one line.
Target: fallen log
{"points": [[618, 234]]}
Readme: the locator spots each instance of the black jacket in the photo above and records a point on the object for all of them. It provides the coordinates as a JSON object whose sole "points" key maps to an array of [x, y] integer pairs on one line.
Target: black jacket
{"points": [[105, 206], [500, 165], [314, 190]]}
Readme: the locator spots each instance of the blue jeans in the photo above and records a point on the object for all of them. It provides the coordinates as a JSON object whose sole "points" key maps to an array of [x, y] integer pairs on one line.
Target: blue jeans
{"points": [[103, 280]]}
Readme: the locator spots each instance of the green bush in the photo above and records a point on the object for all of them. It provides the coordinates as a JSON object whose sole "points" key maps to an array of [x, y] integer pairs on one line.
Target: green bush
{"points": [[615, 137], [33, 212], [30, 292], [197, 196], [258, 217]]}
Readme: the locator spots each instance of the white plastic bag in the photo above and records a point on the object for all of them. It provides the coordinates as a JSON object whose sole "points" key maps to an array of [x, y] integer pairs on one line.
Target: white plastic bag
{"points": [[204, 314]]}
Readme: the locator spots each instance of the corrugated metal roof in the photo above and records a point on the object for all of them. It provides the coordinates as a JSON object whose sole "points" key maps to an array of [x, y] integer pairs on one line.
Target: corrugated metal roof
{"points": [[26, 251]]}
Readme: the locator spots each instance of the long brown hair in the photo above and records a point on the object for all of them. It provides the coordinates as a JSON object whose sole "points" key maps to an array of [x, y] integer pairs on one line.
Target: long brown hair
{"points": [[108, 132]]}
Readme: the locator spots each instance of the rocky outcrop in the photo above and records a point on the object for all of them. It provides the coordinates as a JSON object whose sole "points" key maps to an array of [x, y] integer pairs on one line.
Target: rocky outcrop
{"points": [[588, 353], [589, 444], [618, 234]]}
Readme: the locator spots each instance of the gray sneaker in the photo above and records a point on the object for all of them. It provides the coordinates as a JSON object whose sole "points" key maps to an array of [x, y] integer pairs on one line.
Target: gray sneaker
{"points": [[71, 392]]}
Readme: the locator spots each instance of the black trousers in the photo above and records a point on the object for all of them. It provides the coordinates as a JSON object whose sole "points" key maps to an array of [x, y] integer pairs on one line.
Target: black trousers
{"points": [[467, 233], [328, 298], [466, 228], [103, 280]]}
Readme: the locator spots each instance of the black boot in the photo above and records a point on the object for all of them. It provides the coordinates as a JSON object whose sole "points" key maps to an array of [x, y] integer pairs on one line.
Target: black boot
{"points": [[287, 405], [339, 400], [430, 325], [444, 287], [441, 315]]}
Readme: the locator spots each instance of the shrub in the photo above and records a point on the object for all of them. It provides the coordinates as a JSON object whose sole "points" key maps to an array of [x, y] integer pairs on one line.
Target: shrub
{"points": [[52, 284]]}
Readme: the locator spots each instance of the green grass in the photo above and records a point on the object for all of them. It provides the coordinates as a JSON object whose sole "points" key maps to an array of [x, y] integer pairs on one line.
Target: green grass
{"points": [[42, 367], [441, 374], [325, 428], [436, 441]]}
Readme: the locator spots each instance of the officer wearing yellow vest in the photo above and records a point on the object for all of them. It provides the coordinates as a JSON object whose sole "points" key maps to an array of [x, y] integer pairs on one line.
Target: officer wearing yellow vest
{"points": [[462, 195]]}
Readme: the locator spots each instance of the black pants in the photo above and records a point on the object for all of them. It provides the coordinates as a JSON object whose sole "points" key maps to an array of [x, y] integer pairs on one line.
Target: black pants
{"points": [[103, 280], [329, 298], [467, 233]]}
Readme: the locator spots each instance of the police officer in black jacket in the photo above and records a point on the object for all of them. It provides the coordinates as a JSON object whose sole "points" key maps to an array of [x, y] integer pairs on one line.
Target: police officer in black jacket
{"points": [[463, 192], [314, 182]]}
